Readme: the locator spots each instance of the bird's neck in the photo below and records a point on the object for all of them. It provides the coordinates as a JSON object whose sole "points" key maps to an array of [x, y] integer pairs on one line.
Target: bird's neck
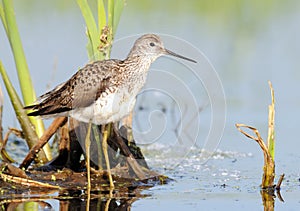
{"points": [[138, 64]]}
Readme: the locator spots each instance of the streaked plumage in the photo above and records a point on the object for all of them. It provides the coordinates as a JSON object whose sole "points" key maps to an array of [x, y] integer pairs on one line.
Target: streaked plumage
{"points": [[103, 91]]}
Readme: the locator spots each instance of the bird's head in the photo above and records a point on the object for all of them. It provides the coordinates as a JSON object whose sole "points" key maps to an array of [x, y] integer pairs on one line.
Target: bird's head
{"points": [[150, 46]]}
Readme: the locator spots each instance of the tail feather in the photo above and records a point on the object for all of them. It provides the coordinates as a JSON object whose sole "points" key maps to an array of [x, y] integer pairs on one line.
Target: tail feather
{"points": [[42, 110], [30, 107], [50, 102], [46, 112]]}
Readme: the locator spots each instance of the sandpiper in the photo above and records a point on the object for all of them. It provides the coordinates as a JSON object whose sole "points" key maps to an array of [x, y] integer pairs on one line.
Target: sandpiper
{"points": [[105, 91]]}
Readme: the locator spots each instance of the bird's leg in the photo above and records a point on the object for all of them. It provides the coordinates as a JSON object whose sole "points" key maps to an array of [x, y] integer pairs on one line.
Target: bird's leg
{"points": [[105, 153], [87, 157]]}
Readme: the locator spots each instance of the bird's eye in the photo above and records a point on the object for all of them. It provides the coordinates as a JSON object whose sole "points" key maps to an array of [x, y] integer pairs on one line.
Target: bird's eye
{"points": [[152, 44]]}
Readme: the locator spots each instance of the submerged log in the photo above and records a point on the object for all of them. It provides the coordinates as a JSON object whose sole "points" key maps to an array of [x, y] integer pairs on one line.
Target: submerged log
{"points": [[67, 171]]}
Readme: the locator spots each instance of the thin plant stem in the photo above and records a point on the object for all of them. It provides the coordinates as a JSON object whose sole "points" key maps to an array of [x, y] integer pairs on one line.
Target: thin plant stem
{"points": [[110, 9], [119, 6], [92, 31], [101, 15], [271, 130], [88, 156], [21, 115]]}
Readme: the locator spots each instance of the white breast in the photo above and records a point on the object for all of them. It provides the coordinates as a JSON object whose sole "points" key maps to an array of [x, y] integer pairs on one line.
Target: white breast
{"points": [[111, 107]]}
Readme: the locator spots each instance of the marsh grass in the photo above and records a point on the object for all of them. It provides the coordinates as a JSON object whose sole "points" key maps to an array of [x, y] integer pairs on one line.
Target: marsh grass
{"points": [[100, 31], [269, 148], [32, 127]]}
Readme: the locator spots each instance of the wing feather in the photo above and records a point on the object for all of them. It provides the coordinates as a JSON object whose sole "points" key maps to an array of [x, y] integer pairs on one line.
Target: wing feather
{"points": [[81, 90]]}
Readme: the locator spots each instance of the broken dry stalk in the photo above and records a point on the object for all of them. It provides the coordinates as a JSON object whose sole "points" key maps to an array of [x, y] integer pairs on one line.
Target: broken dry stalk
{"points": [[58, 122], [268, 151]]}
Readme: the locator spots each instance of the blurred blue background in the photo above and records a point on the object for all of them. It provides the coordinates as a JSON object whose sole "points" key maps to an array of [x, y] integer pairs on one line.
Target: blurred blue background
{"points": [[248, 43]]}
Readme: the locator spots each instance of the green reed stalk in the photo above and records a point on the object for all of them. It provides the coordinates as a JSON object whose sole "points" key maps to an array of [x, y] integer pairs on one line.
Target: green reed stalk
{"points": [[101, 14], [108, 19], [92, 31], [21, 114], [8, 19], [118, 8]]}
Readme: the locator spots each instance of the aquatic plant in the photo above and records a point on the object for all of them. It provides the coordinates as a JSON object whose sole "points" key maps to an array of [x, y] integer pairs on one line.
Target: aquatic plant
{"points": [[269, 149], [100, 33], [32, 127]]}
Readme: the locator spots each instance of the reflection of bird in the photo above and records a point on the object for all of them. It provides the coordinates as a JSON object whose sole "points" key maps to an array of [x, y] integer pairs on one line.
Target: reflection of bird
{"points": [[104, 91]]}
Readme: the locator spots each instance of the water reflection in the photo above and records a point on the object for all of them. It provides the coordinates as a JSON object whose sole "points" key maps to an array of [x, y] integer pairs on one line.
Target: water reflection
{"points": [[100, 203], [268, 198]]}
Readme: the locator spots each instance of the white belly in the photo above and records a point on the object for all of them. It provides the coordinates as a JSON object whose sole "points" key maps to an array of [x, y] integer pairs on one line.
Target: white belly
{"points": [[110, 108]]}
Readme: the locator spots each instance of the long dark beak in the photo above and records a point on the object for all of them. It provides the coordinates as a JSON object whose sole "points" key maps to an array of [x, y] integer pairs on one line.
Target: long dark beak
{"points": [[168, 52]]}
